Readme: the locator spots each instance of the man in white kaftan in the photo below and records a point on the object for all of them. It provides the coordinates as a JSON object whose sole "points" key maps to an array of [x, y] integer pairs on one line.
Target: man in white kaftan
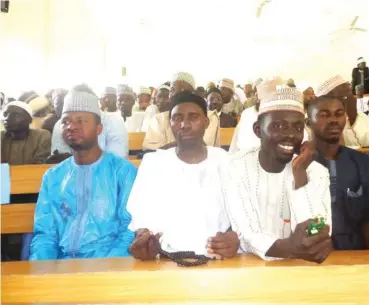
{"points": [[269, 197]]}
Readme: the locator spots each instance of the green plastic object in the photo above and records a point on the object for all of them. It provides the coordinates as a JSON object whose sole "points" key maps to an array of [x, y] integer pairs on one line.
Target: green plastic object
{"points": [[316, 226]]}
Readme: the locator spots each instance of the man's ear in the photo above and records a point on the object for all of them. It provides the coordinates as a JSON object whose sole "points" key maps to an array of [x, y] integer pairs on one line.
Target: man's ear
{"points": [[207, 122], [99, 129], [257, 129], [308, 122]]}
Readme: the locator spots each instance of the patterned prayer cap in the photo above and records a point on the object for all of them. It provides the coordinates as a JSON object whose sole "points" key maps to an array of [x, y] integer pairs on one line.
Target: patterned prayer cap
{"points": [[164, 87], [145, 90], [20, 104], [227, 83], [289, 99], [360, 60], [264, 88], [184, 76], [76, 101], [109, 90], [329, 85], [124, 89]]}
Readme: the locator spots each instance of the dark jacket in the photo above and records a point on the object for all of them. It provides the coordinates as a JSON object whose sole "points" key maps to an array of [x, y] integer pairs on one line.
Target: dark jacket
{"points": [[227, 120], [350, 198], [356, 79]]}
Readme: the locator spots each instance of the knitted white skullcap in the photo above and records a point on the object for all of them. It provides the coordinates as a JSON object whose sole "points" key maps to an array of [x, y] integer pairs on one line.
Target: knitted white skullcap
{"points": [[360, 60], [76, 101], [124, 89], [227, 83], [109, 90], [145, 90]]}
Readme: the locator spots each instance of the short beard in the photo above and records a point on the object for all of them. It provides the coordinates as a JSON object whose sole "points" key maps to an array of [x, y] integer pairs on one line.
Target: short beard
{"points": [[82, 147]]}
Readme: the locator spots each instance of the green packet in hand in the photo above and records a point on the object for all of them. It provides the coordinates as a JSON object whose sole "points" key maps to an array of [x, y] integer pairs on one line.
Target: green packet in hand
{"points": [[316, 226]]}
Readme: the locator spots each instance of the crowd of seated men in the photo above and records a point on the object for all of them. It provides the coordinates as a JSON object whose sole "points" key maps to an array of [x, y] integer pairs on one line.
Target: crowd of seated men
{"points": [[292, 158]]}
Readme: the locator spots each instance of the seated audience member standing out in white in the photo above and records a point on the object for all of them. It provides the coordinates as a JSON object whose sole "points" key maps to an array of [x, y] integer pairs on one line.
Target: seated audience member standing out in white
{"points": [[188, 212], [272, 194]]}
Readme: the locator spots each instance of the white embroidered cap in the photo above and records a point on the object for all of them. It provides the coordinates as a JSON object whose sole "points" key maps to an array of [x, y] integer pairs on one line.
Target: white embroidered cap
{"points": [[76, 101], [328, 85], [289, 99], [227, 83], [145, 90], [184, 76]]}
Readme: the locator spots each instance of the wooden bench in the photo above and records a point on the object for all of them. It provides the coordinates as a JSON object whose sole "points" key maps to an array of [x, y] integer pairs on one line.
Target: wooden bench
{"points": [[226, 135], [342, 279], [135, 140]]}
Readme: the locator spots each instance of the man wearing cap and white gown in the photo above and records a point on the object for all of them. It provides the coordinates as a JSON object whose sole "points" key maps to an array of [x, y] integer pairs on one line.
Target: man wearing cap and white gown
{"points": [[244, 137], [126, 102], [114, 138], [231, 102], [144, 100], [270, 193], [356, 131], [360, 76], [159, 134], [81, 208]]}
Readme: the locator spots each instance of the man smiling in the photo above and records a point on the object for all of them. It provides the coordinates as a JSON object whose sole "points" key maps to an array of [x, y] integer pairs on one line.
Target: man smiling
{"points": [[271, 195]]}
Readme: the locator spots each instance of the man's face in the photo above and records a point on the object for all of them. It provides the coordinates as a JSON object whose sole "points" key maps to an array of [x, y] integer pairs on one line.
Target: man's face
{"points": [[162, 100], [362, 65], [201, 94], [57, 100], [188, 123], [16, 119], [281, 134], [227, 94], [109, 102], [179, 86], [80, 130], [327, 119], [125, 103], [248, 89], [215, 101], [144, 101]]}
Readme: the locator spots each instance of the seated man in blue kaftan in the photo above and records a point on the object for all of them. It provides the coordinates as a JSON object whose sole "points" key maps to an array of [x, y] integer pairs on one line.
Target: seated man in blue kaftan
{"points": [[81, 209]]}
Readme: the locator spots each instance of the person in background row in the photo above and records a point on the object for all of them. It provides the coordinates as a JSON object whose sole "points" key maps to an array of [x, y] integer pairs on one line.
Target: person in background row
{"points": [[193, 191], [349, 174], [112, 139], [356, 132], [81, 208], [230, 104], [362, 102], [19, 144], [2, 99], [182, 81], [133, 120], [272, 194], [160, 136], [308, 96], [162, 105], [108, 100], [360, 76], [57, 101], [215, 103], [144, 99], [200, 91], [26, 96], [250, 96], [210, 85]]}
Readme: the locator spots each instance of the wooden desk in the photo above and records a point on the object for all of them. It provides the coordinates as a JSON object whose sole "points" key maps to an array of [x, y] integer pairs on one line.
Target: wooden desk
{"points": [[342, 279]]}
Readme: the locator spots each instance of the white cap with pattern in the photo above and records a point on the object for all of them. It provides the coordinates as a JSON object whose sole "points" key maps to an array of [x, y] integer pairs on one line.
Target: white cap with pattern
{"points": [[184, 76], [227, 83], [328, 85], [360, 60], [286, 99], [109, 90], [76, 101], [145, 90], [124, 89]]}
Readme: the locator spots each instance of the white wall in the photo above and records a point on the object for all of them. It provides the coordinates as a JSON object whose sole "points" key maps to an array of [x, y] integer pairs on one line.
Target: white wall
{"points": [[48, 43]]}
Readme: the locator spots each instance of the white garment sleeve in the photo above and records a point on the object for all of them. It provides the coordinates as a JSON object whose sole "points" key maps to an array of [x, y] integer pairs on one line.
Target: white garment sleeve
{"points": [[116, 136], [243, 214], [233, 148], [57, 142], [155, 135], [144, 200], [313, 199]]}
